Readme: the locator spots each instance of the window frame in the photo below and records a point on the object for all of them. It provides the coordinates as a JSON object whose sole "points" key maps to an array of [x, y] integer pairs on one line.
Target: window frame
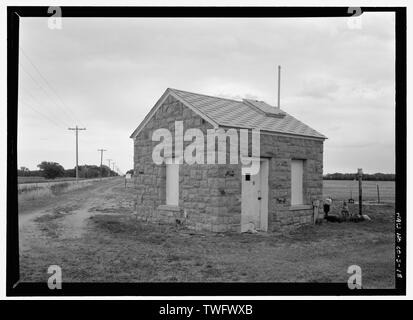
{"points": [[171, 200], [301, 199]]}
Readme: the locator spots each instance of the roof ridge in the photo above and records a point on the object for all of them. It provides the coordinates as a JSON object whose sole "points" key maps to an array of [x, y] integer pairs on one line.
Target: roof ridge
{"points": [[233, 100], [207, 95], [257, 101]]}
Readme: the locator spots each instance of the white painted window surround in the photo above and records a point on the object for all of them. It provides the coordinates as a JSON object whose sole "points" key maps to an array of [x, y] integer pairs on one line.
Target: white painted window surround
{"points": [[297, 172], [172, 184]]}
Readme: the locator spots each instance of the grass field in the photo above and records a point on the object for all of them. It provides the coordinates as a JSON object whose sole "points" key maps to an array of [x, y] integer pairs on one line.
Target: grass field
{"points": [[93, 235], [343, 189], [49, 188], [41, 179]]}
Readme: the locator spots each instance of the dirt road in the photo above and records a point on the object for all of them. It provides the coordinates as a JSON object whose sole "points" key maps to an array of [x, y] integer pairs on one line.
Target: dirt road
{"points": [[65, 216], [91, 233]]}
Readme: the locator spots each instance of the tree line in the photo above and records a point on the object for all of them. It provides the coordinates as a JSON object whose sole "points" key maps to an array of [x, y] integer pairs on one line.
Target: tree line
{"points": [[52, 170], [368, 177]]}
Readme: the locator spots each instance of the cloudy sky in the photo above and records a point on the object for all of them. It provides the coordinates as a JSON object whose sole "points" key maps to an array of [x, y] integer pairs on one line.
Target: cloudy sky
{"points": [[106, 74]]}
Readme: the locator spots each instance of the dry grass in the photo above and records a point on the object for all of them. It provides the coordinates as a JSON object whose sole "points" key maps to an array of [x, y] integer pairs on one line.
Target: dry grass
{"points": [[43, 179], [116, 248], [343, 189]]}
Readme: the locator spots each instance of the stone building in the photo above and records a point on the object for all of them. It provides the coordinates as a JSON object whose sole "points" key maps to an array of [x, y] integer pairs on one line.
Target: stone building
{"points": [[219, 197]]}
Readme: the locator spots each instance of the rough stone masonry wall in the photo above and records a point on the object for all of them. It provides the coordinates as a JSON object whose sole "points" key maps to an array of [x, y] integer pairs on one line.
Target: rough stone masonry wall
{"points": [[280, 150], [200, 186], [210, 195]]}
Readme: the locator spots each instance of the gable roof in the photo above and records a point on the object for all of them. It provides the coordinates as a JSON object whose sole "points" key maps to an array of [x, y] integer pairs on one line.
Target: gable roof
{"points": [[265, 108], [222, 112]]}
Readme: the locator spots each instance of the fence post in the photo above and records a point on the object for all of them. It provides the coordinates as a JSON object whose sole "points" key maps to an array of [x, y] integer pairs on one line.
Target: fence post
{"points": [[360, 177], [378, 194]]}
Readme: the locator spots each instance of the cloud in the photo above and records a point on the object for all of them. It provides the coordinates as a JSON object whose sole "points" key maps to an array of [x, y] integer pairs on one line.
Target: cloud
{"points": [[318, 86], [110, 72]]}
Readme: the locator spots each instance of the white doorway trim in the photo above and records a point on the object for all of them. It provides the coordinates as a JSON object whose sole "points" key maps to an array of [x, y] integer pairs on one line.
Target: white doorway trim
{"points": [[254, 198], [264, 171]]}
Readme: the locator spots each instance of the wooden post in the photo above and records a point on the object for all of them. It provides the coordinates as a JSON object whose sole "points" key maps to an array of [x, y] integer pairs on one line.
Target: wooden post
{"points": [[77, 158], [316, 205], [101, 159], [378, 194], [77, 148], [279, 85], [360, 178]]}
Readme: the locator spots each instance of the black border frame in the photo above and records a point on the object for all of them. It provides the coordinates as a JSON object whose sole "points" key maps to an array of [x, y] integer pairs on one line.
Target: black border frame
{"points": [[16, 288]]}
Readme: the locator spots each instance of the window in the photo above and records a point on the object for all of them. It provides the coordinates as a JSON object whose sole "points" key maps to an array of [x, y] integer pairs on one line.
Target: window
{"points": [[297, 169], [172, 184]]}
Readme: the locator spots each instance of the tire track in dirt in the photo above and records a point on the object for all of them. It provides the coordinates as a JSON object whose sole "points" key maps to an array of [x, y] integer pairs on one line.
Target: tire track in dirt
{"points": [[65, 216]]}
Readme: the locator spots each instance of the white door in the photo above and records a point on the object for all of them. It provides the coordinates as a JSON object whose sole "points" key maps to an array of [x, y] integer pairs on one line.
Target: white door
{"points": [[254, 204]]}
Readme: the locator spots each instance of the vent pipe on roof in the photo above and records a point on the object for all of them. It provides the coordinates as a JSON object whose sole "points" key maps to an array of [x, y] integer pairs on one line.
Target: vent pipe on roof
{"points": [[279, 85]]}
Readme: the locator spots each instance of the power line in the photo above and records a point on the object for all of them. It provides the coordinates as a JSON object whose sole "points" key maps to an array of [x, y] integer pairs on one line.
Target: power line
{"points": [[45, 92], [39, 85], [34, 99], [43, 115], [47, 82]]}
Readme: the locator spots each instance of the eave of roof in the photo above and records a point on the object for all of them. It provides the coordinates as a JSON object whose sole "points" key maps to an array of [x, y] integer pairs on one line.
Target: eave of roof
{"points": [[233, 113]]}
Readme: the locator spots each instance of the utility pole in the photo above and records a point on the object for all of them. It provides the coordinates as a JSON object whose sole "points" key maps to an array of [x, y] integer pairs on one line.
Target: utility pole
{"points": [[101, 159], [113, 166], [77, 150], [279, 85]]}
